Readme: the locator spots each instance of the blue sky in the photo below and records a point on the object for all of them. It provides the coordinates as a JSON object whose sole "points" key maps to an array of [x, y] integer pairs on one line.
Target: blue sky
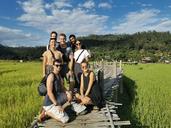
{"points": [[29, 22]]}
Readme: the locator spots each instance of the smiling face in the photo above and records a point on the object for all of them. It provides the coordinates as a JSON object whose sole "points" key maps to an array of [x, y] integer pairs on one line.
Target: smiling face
{"points": [[62, 39], [78, 45], [84, 67], [52, 43], [57, 66], [72, 40]]}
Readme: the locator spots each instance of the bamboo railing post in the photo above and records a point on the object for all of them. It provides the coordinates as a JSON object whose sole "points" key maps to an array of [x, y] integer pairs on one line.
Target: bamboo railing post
{"points": [[121, 79]]}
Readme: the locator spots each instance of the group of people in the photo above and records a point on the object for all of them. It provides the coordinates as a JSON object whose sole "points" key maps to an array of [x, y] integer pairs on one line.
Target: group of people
{"points": [[68, 61]]}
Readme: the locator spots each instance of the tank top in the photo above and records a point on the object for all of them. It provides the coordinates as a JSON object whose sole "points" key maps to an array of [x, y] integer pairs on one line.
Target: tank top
{"points": [[86, 80], [95, 92], [57, 89]]}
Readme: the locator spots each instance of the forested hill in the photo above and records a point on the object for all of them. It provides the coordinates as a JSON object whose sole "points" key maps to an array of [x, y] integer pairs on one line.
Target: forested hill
{"points": [[156, 45], [24, 53]]}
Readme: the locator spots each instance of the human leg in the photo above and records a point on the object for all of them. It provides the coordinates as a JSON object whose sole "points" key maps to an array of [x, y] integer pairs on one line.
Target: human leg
{"points": [[54, 112]]}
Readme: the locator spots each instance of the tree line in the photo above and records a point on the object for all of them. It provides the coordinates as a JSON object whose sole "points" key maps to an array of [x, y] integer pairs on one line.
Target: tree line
{"points": [[126, 47]]}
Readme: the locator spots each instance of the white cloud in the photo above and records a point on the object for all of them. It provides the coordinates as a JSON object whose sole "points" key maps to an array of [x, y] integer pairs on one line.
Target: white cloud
{"points": [[141, 4], [88, 4], [105, 5], [146, 5], [33, 7], [58, 4], [68, 20], [169, 6], [16, 37], [144, 20]]}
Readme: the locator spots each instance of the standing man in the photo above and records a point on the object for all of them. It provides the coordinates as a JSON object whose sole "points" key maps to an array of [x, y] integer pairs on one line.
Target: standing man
{"points": [[68, 61]]}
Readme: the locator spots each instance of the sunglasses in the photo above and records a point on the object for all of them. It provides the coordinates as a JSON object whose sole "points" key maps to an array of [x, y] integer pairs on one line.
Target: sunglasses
{"points": [[53, 38], [58, 65], [83, 67], [78, 44]]}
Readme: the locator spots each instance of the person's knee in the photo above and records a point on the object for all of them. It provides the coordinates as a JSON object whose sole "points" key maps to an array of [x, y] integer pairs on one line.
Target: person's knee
{"points": [[62, 117], [65, 118]]}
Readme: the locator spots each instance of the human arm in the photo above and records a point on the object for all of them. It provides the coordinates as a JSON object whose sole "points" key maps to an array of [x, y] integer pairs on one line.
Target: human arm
{"points": [[71, 62], [44, 63], [86, 55], [61, 57], [49, 84], [82, 86]]}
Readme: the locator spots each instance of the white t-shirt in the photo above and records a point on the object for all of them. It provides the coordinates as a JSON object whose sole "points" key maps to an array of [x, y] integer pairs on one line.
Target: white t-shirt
{"points": [[83, 55]]}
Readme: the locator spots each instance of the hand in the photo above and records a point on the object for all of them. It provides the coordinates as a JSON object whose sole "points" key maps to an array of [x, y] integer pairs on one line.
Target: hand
{"points": [[70, 72], [82, 97], [60, 108], [71, 57], [86, 100]]}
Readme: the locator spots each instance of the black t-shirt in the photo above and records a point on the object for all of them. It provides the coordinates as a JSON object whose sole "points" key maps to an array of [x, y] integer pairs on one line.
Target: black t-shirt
{"points": [[66, 52]]}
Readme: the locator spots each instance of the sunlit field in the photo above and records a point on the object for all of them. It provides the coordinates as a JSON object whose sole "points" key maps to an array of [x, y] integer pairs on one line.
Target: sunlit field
{"points": [[147, 95], [146, 98], [19, 100]]}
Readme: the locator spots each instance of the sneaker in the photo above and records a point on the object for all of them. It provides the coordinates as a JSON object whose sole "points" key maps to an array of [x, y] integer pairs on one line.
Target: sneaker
{"points": [[78, 108], [82, 113], [95, 109]]}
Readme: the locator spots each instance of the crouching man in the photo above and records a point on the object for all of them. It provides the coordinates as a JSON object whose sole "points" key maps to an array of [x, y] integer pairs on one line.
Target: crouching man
{"points": [[56, 95]]}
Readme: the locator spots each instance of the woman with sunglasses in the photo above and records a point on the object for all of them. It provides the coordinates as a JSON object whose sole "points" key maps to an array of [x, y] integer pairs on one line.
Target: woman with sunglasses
{"points": [[79, 55], [90, 92]]}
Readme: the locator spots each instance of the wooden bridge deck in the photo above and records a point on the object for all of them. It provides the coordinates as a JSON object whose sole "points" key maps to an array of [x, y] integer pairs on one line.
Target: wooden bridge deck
{"points": [[90, 120], [106, 118]]}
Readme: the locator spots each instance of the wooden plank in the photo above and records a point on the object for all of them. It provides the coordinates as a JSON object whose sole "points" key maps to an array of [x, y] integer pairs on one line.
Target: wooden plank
{"points": [[110, 117], [122, 123], [114, 103]]}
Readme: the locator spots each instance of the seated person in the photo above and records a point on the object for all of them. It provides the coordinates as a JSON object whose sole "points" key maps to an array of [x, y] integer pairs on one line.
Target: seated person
{"points": [[89, 89], [56, 94]]}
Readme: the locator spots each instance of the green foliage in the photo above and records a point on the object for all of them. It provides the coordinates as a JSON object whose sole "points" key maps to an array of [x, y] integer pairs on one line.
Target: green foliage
{"points": [[19, 100], [147, 94], [130, 47], [125, 47], [24, 53]]}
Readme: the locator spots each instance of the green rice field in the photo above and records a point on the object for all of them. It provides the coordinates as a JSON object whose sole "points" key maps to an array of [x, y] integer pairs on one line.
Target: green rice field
{"points": [[19, 100], [146, 99], [147, 95]]}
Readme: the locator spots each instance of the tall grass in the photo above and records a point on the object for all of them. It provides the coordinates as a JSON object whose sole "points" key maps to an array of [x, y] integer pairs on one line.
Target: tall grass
{"points": [[19, 100], [147, 95]]}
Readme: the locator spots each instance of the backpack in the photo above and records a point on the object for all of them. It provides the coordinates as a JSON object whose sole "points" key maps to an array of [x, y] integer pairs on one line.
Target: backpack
{"points": [[42, 90]]}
